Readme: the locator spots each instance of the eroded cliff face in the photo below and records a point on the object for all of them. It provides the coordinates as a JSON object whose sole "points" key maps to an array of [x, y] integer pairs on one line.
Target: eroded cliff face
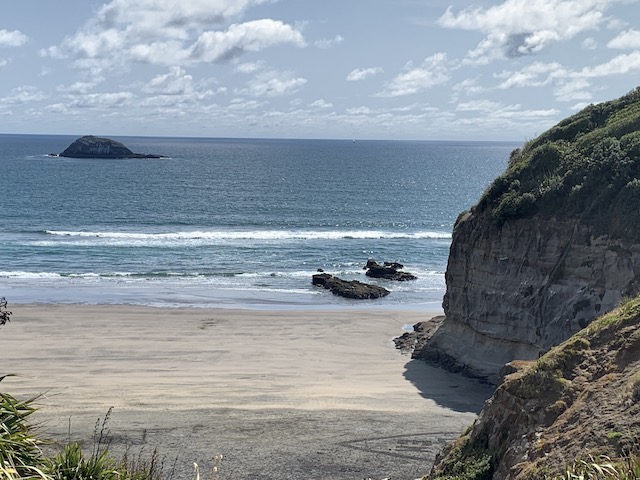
{"points": [[581, 398], [516, 290]]}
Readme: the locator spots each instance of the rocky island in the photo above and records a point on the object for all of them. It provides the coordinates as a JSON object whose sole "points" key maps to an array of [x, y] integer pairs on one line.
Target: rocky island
{"points": [[98, 147]]}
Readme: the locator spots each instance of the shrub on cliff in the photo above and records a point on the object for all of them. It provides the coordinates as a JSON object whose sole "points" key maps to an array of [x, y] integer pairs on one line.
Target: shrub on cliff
{"points": [[585, 167]]}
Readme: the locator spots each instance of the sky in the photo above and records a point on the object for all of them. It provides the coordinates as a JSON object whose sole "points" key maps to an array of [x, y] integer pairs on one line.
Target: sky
{"points": [[347, 69]]}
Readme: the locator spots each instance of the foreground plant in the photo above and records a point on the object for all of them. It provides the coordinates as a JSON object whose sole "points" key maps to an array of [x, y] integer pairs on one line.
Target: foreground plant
{"points": [[20, 454], [71, 464], [604, 468]]}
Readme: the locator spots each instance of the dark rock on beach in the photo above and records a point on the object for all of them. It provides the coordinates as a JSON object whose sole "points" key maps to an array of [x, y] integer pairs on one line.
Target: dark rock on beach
{"points": [[97, 147], [388, 271], [349, 289], [417, 338]]}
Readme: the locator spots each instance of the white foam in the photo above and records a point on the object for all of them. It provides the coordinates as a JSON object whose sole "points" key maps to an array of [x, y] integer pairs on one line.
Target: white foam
{"points": [[255, 235], [27, 275]]}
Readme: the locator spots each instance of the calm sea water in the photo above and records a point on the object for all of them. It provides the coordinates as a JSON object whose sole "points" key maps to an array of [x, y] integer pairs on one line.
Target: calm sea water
{"points": [[236, 222]]}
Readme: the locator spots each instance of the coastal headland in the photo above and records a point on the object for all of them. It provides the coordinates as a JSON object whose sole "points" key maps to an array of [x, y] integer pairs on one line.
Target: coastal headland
{"points": [[314, 394]]}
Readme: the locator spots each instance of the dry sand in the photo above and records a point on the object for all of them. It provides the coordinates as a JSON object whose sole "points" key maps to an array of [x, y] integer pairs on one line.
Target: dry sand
{"points": [[313, 394]]}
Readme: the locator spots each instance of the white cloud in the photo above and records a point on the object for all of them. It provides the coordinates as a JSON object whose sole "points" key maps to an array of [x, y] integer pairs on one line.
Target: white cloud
{"points": [[176, 82], [468, 86], [432, 72], [321, 103], [363, 73], [77, 87], [627, 40], [23, 94], [241, 104], [245, 37], [167, 53], [359, 111], [102, 100], [569, 85], [589, 43], [58, 108], [579, 106], [173, 17], [14, 38], [572, 90], [4, 62], [325, 43], [249, 67], [484, 106], [170, 33], [271, 83], [619, 65], [525, 27], [536, 74]]}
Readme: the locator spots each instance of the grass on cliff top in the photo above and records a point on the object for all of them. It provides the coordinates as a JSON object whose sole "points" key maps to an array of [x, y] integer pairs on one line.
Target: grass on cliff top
{"points": [[587, 166]]}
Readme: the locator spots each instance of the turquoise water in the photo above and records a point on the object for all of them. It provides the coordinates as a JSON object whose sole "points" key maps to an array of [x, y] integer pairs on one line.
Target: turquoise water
{"points": [[237, 222]]}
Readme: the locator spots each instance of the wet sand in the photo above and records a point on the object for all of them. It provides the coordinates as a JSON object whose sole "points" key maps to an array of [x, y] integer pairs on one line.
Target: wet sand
{"points": [[282, 394]]}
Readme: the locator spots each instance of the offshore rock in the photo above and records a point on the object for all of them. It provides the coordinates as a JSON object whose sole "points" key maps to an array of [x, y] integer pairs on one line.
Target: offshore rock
{"points": [[97, 147], [349, 289], [388, 271]]}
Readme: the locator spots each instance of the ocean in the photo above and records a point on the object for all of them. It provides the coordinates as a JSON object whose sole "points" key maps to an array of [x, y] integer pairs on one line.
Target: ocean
{"points": [[233, 222]]}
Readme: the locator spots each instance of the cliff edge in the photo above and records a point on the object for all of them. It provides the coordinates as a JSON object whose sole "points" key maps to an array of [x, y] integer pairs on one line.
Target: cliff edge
{"points": [[572, 412], [553, 243]]}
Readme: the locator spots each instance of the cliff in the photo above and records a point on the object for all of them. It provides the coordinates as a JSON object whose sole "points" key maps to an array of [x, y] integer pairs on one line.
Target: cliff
{"points": [[553, 243], [574, 409], [97, 147]]}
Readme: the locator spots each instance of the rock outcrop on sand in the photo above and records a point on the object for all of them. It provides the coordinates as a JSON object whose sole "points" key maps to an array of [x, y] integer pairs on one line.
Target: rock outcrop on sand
{"points": [[388, 271], [97, 147], [553, 243], [581, 400], [349, 288]]}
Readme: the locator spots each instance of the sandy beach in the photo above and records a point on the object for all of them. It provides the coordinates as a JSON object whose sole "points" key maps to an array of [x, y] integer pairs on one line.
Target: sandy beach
{"points": [[282, 394]]}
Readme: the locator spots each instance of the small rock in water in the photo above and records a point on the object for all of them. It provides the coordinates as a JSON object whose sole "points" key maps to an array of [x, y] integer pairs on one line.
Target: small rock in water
{"points": [[349, 289], [388, 271]]}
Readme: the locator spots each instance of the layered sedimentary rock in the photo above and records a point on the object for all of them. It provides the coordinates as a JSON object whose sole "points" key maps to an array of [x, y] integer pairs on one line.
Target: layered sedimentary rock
{"points": [[514, 292], [553, 243]]}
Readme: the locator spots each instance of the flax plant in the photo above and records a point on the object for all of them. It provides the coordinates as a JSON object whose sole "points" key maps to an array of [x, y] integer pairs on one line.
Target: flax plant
{"points": [[20, 454]]}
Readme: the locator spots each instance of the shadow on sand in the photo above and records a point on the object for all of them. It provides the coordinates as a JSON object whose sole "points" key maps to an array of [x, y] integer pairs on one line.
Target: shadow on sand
{"points": [[446, 389]]}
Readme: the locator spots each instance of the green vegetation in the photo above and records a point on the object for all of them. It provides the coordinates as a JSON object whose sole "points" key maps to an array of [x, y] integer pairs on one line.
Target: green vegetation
{"points": [[20, 454], [4, 313], [22, 459], [542, 406], [466, 460], [587, 166], [603, 468]]}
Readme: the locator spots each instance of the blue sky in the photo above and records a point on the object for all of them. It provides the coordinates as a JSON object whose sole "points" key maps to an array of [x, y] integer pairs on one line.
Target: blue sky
{"points": [[377, 69]]}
